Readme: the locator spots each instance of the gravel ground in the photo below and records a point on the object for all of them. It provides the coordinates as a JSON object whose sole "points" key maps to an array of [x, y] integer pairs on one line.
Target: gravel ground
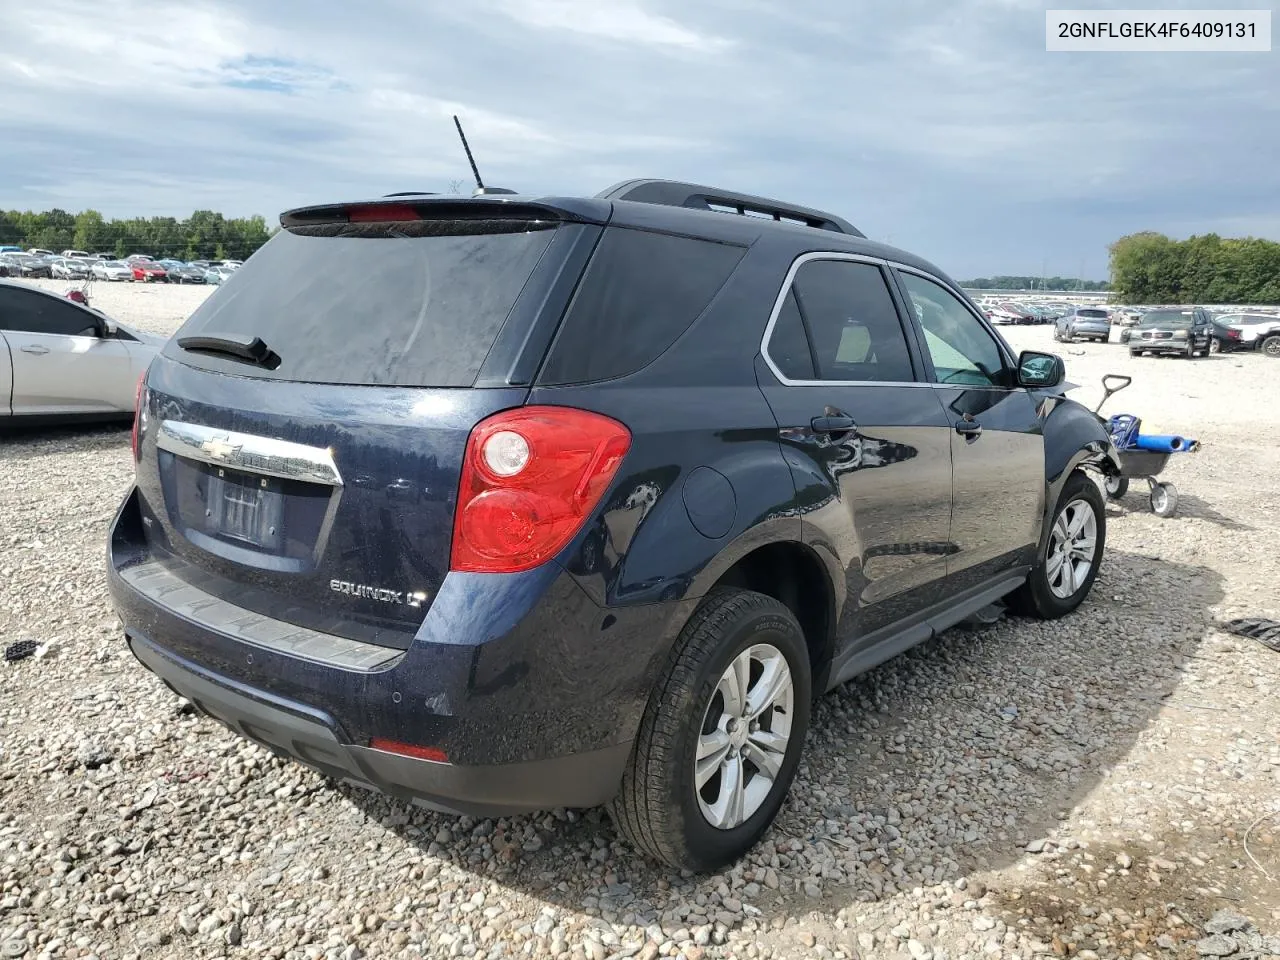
{"points": [[1107, 785]]}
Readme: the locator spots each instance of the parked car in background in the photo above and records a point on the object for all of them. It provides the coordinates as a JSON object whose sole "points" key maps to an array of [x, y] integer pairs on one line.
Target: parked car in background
{"points": [[1087, 323], [65, 361], [111, 270], [65, 268], [148, 271], [1184, 332], [1257, 331], [75, 254], [28, 267], [1007, 313], [180, 272], [216, 275], [39, 252], [1225, 337], [104, 256], [578, 594]]}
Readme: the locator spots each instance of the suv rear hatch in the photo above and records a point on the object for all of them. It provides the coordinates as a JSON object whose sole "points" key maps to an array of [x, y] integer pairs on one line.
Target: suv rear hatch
{"points": [[304, 430]]}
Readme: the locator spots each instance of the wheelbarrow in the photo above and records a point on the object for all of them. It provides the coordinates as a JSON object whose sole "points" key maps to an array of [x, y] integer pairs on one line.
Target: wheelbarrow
{"points": [[1142, 457]]}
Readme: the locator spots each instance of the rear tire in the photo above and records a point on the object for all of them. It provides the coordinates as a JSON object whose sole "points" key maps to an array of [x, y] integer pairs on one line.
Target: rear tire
{"points": [[1061, 580], [661, 808], [1116, 487]]}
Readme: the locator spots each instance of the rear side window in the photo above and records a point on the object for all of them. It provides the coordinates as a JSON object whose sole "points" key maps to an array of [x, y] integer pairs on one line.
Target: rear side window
{"points": [[640, 292], [849, 318], [23, 311], [416, 304]]}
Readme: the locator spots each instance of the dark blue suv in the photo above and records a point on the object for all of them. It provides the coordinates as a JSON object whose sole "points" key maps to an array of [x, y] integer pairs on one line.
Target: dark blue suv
{"points": [[503, 504]]}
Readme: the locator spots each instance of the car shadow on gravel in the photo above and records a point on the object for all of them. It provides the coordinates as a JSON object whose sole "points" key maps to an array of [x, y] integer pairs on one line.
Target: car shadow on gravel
{"points": [[941, 763], [28, 442]]}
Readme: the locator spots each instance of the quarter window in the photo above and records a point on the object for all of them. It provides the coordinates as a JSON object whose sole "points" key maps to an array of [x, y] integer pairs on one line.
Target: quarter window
{"points": [[963, 351], [840, 313]]}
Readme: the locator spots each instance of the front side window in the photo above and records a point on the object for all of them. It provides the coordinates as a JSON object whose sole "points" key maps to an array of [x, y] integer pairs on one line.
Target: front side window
{"points": [[842, 313], [963, 351]]}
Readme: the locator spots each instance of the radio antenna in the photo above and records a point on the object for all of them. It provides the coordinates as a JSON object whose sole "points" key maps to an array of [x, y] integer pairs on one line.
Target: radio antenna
{"points": [[470, 159]]}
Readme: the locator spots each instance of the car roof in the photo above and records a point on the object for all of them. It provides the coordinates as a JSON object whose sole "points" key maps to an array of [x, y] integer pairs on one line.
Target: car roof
{"points": [[697, 216]]}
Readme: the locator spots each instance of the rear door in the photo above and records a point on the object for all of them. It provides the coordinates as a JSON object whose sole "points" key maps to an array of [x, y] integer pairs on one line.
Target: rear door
{"points": [[318, 488], [867, 440], [60, 365], [997, 447]]}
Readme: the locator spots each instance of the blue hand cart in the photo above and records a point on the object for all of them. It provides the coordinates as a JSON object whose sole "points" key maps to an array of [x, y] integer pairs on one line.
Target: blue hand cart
{"points": [[1141, 458]]}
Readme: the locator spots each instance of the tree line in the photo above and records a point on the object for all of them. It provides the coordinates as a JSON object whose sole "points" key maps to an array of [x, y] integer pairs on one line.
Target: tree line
{"points": [[1152, 268], [1035, 283], [205, 235]]}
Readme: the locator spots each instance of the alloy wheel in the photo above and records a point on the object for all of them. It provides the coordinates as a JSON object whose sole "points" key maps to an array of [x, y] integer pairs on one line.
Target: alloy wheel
{"points": [[1072, 545], [744, 736]]}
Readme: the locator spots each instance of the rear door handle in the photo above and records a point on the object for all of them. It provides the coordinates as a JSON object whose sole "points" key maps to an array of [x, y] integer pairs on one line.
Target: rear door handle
{"points": [[36, 349], [833, 424], [968, 428]]}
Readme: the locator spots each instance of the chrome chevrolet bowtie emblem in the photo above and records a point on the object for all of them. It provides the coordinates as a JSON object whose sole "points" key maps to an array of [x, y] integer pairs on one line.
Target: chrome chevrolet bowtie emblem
{"points": [[219, 448]]}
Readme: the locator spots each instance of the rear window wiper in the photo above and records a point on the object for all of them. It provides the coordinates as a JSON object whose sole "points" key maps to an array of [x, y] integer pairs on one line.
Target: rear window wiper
{"points": [[234, 346]]}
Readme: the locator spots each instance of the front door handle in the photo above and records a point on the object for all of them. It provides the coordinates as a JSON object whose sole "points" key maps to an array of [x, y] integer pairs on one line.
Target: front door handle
{"points": [[36, 349], [969, 429], [833, 424]]}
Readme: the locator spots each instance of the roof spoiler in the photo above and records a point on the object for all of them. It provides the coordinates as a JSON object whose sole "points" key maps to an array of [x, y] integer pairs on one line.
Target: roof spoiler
{"points": [[672, 193]]}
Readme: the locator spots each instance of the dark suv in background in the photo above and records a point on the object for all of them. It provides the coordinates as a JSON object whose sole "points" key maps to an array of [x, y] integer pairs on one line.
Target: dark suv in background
{"points": [[503, 504]]}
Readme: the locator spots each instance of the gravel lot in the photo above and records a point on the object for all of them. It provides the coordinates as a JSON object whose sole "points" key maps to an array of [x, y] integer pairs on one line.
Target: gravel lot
{"points": [[1084, 788]]}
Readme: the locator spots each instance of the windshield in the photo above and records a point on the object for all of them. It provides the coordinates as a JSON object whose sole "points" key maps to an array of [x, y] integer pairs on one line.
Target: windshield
{"points": [[1167, 318]]}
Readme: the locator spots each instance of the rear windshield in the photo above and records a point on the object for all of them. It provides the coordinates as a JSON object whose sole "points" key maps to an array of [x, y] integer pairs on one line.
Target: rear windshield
{"points": [[1096, 314], [371, 304]]}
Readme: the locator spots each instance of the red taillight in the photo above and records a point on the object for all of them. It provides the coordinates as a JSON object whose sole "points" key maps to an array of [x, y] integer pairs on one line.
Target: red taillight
{"points": [[1233, 334], [530, 478], [135, 440], [434, 754]]}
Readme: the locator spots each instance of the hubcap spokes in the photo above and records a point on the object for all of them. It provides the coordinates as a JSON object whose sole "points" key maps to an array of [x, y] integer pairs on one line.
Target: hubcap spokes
{"points": [[1072, 545], [744, 736]]}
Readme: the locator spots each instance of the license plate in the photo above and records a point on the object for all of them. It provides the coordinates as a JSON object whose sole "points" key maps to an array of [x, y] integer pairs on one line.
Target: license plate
{"points": [[245, 508]]}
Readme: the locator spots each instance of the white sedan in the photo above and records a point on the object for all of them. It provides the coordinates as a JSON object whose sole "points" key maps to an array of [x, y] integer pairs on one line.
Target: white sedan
{"points": [[62, 361], [111, 270]]}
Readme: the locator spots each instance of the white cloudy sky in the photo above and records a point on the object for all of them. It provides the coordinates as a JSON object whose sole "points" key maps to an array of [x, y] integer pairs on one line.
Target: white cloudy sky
{"points": [[941, 126]]}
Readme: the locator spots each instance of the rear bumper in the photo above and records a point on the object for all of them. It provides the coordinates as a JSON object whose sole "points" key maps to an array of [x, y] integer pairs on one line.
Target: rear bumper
{"points": [[314, 738], [532, 690]]}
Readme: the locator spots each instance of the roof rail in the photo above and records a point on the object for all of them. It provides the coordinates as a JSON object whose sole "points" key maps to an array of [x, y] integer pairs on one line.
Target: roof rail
{"points": [[672, 193]]}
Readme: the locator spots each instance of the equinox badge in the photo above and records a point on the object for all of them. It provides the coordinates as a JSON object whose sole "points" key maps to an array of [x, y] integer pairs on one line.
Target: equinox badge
{"points": [[366, 592]]}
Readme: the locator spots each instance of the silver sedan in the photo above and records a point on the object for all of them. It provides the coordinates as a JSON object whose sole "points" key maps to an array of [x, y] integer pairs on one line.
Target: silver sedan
{"points": [[63, 361], [111, 270]]}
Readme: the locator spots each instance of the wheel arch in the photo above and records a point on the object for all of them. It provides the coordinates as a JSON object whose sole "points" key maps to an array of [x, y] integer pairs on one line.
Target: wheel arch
{"points": [[1074, 439], [793, 574]]}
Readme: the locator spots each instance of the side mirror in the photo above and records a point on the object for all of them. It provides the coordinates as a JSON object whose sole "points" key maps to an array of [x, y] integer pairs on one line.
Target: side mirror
{"points": [[1037, 369]]}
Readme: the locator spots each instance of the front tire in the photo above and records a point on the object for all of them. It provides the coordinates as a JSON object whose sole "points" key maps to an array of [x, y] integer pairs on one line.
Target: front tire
{"points": [[721, 736], [1271, 346], [1071, 556]]}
